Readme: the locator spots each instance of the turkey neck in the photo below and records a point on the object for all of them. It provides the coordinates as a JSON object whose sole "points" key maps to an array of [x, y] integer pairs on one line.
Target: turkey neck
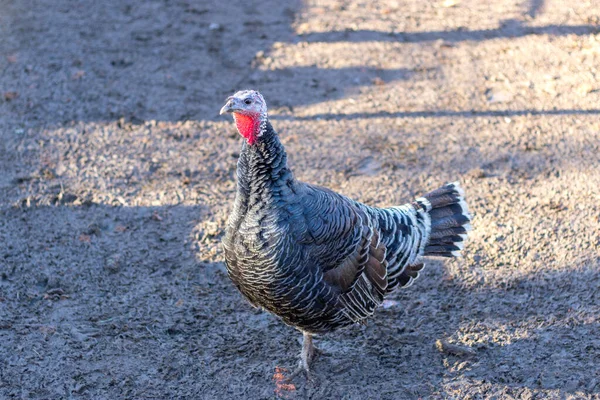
{"points": [[262, 167]]}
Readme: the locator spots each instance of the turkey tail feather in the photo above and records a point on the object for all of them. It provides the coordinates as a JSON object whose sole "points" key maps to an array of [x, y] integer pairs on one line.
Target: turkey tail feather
{"points": [[450, 220]]}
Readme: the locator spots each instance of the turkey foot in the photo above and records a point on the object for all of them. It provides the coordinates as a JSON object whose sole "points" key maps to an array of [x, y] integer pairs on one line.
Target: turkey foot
{"points": [[307, 356]]}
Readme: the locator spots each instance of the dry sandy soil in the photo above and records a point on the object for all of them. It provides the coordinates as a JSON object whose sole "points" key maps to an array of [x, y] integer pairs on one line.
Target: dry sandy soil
{"points": [[117, 174]]}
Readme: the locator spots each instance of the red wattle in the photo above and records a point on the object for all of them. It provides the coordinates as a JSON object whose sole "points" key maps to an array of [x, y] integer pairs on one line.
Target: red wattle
{"points": [[247, 126]]}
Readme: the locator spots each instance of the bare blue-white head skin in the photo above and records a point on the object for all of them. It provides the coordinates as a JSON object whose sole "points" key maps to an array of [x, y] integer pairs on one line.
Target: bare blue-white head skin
{"points": [[249, 111]]}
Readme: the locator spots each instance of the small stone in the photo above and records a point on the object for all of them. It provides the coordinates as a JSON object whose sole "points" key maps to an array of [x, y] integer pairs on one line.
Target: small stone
{"points": [[113, 265], [584, 89], [60, 169], [389, 304], [377, 81], [211, 228], [77, 75], [501, 96], [8, 96], [477, 173], [449, 3], [449, 348]]}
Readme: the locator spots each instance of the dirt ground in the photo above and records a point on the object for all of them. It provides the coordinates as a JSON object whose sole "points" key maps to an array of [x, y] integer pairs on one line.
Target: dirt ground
{"points": [[117, 175]]}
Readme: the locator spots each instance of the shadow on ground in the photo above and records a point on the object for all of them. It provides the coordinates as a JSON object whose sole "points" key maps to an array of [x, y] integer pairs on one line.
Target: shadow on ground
{"points": [[188, 57], [444, 113], [509, 29], [111, 301]]}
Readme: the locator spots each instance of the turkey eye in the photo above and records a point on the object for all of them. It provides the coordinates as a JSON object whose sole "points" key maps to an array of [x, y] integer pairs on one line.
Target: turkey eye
{"points": [[248, 101]]}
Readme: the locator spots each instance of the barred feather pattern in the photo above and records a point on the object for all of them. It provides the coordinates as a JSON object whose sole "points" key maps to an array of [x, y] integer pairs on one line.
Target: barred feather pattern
{"points": [[320, 260]]}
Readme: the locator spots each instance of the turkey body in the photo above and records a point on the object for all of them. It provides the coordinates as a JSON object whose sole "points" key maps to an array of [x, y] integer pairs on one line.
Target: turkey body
{"points": [[320, 260]]}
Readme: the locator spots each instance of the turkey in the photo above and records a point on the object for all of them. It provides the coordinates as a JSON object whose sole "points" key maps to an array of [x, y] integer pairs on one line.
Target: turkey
{"points": [[314, 258]]}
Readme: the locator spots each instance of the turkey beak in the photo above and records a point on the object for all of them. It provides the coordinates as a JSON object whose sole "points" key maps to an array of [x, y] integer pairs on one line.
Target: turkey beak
{"points": [[228, 107]]}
